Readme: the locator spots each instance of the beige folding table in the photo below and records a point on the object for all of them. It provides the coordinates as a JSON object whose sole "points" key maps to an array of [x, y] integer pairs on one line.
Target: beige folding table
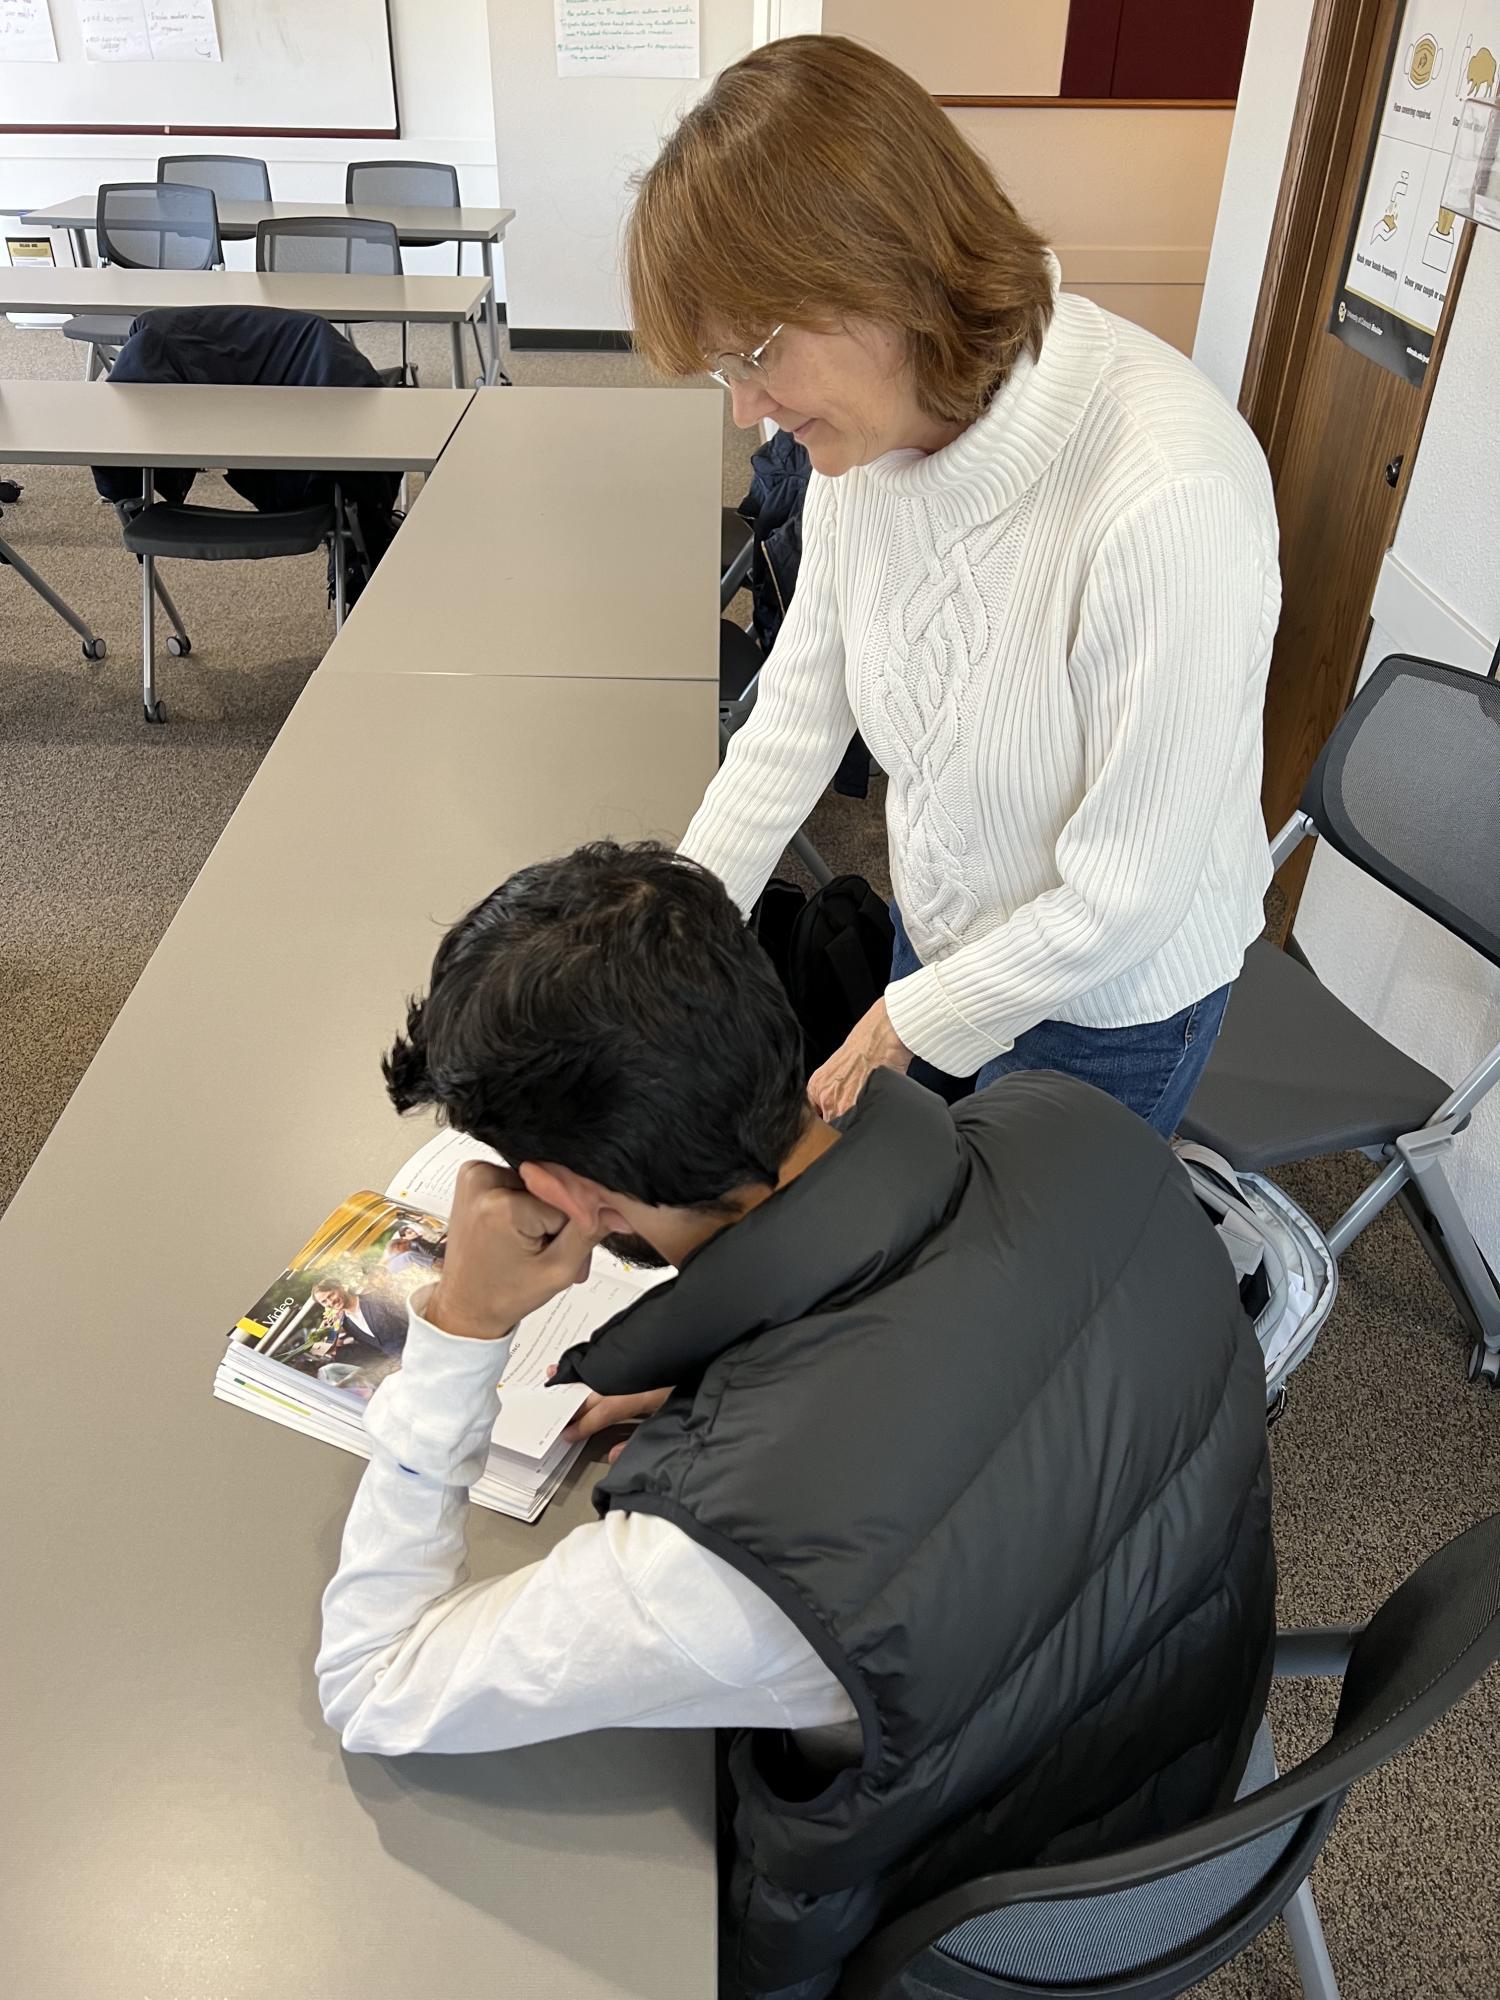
{"points": [[415, 225], [335, 295], [571, 532], [160, 425], [179, 1822]]}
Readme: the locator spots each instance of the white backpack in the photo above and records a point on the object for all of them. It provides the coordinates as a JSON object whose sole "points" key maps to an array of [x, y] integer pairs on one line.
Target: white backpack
{"points": [[1287, 1274]]}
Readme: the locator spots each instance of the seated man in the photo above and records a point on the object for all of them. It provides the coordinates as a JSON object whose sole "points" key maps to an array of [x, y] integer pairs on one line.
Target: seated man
{"points": [[957, 1516]]}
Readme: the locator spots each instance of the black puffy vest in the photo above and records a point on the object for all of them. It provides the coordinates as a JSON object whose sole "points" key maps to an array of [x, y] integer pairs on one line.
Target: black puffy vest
{"points": [[972, 1399]]}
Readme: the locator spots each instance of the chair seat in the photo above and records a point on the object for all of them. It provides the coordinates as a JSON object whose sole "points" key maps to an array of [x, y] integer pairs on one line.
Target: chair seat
{"points": [[1296, 1074], [226, 534], [740, 660], [1113, 1936], [100, 329]]}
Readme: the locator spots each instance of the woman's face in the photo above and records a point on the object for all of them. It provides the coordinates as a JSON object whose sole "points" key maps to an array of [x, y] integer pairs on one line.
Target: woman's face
{"points": [[847, 396]]}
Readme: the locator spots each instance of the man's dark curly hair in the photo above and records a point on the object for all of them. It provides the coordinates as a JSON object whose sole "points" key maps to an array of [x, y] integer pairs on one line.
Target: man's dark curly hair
{"points": [[609, 1012]]}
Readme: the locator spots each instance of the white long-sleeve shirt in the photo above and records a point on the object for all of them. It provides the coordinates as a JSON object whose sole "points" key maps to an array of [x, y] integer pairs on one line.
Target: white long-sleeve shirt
{"points": [[626, 1622], [1054, 636]]}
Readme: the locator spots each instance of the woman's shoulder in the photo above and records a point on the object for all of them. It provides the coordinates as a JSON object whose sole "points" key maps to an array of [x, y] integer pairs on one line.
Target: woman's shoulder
{"points": [[1168, 409]]}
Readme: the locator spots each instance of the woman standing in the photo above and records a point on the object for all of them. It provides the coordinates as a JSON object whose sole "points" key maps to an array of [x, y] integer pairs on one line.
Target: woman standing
{"points": [[1039, 575]]}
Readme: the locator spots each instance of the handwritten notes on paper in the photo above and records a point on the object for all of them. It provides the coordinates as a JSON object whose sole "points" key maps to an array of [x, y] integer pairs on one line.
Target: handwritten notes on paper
{"points": [[182, 30], [114, 30], [26, 32], [148, 30], [627, 37]]}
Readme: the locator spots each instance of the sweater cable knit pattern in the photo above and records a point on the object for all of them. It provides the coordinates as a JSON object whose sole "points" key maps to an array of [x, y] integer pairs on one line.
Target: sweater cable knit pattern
{"points": [[1054, 636]]}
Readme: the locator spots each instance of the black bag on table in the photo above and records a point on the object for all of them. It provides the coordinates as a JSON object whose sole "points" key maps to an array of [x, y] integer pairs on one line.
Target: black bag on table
{"points": [[832, 952]]}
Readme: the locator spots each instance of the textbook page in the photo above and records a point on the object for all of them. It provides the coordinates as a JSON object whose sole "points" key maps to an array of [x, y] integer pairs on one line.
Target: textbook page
{"points": [[428, 1178]]}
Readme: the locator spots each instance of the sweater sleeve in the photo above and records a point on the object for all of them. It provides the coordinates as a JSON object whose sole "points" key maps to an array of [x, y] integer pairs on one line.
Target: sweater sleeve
{"points": [[1168, 636], [778, 765]]}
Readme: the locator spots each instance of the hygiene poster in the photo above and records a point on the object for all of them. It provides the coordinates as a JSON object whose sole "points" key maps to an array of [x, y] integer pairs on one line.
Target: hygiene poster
{"points": [[1404, 244]]}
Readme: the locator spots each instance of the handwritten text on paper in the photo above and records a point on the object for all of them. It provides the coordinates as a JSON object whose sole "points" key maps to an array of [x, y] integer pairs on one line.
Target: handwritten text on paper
{"points": [[627, 37]]}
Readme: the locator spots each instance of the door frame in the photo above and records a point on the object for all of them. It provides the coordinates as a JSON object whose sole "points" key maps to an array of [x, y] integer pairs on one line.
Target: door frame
{"points": [[1306, 232]]}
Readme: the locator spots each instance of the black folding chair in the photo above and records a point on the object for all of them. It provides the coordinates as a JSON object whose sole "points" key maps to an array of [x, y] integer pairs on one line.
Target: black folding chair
{"points": [[1150, 1921], [145, 226], [1408, 789]]}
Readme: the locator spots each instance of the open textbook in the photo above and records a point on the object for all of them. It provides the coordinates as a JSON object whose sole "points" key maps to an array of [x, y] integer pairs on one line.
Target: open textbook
{"points": [[313, 1350]]}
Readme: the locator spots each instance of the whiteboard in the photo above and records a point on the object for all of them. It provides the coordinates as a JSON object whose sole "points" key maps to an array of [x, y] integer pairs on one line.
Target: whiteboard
{"points": [[307, 66]]}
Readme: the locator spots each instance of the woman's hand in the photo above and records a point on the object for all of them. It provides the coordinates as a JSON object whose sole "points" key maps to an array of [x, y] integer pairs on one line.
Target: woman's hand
{"points": [[872, 1044]]}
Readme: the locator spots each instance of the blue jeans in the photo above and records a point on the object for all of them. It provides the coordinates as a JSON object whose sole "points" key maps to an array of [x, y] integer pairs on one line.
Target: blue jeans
{"points": [[1153, 1067]]}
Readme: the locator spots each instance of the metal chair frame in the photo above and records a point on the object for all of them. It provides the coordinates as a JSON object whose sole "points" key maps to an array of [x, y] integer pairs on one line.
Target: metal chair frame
{"points": [[152, 588]]}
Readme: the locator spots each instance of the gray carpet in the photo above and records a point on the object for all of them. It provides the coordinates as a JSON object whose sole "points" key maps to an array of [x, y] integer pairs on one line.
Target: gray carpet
{"points": [[1383, 1454]]}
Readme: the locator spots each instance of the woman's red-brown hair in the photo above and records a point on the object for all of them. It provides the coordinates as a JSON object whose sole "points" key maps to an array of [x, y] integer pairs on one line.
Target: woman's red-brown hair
{"points": [[818, 184]]}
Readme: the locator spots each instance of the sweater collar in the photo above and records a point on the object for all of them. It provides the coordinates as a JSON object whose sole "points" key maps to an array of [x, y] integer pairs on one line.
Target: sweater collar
{"points": [[1036, 410], [822, 1240]]}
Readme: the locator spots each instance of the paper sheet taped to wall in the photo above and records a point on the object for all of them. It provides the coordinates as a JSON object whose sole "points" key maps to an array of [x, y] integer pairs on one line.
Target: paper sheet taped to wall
{"points": [[627, 37], [182, 30], [148, 30], [26, 32]]}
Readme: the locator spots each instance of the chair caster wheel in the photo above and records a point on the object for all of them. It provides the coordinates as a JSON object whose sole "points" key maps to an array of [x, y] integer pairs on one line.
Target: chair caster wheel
{"points": [[154, 711], [93, 649], [179, 648], [1484, 1364]]}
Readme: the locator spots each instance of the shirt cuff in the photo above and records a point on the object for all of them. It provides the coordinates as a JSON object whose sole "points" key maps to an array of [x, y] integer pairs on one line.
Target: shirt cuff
{"points": [[434, 1416], [932, 1027]]}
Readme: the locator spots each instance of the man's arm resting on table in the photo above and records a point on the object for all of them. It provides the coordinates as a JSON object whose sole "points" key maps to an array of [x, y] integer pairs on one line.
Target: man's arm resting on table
{"points": [[626, 1622]]}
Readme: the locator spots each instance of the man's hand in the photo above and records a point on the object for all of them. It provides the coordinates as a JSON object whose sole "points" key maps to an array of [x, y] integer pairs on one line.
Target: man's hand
{"points": [[508, 1253], [872, 1044], [606, 1413]]}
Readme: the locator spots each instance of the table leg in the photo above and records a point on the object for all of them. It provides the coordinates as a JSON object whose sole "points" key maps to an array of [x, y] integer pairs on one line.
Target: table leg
{"points": [[456, 349], [492, 311], [81, 248]]}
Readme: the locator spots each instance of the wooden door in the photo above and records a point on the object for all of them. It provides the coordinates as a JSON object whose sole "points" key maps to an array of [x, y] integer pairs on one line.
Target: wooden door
{"points": [[1340, 431]]}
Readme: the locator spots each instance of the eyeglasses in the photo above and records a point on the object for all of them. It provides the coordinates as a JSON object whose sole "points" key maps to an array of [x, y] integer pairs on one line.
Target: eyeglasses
{"points": [[731, 368]]}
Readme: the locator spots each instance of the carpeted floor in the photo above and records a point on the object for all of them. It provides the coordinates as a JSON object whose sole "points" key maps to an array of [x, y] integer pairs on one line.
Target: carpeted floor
{"points": [[1383, 1454]]}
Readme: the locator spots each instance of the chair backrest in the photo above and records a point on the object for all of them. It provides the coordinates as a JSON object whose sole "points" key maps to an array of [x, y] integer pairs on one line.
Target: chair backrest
{"points": [[1152, 1920], [352, 244], [1408, 788], [150, 226], [412, 183], [232, 176]]}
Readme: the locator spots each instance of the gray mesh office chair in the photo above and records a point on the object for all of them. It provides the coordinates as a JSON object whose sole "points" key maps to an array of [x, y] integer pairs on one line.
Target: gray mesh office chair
{"points": [[409, 184], [1408, 789], [358, 245], [1148, 1922], [146, 226], [232, 176]]}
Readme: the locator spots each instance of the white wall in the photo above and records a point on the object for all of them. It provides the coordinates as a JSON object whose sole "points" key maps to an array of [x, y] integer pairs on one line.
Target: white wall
{"points": [[442, 86], [567, 147], [1252, 179], [1127, 199], [997, 48]]}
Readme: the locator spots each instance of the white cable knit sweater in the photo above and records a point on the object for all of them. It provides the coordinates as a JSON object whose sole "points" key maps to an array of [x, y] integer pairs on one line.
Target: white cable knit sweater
{"points": [[1053, 635]]}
